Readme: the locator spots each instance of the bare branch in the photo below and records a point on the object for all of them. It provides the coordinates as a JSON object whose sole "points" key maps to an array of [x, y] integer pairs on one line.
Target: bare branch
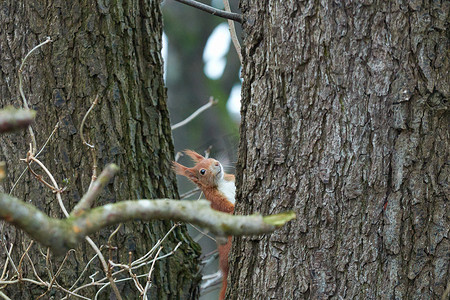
{"points": [[210, 103], [8, 254], [210, 282], [55, 188], [61, 235], [40, 151], [25, 102], [233, 34], [48, 139], [4, 296], [213, 11], [84, 120], [23, 256], [96, 188], [105, 267], [91, 147], [149, 276]]}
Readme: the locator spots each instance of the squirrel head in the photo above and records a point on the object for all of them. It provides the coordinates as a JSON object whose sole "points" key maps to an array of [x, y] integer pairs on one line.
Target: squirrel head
{"points": [[206, 173]]}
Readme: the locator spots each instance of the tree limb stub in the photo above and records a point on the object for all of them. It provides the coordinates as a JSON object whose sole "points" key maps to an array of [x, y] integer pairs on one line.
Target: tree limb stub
{"points": [[62, 235]]}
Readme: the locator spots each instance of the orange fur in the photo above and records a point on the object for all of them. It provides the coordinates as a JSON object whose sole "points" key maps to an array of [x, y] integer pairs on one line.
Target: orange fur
{"points": [[224, 250], [209, 183]]}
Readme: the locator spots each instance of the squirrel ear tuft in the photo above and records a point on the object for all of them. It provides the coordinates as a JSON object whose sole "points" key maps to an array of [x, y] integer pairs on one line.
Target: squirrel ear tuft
{"points": [[179, 169], [185, 171], [194, 155]]}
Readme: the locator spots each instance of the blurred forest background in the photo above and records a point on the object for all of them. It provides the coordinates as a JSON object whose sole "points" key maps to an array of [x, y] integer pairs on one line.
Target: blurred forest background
{"points": [[200, 61]]}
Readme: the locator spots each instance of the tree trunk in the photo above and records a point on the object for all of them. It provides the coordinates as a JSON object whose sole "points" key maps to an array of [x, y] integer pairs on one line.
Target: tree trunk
{"points": [[345, 119], [111, 50]]}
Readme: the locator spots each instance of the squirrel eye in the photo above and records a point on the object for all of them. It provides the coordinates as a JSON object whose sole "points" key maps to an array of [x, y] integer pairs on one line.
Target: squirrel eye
{"points": [[202, 171]]}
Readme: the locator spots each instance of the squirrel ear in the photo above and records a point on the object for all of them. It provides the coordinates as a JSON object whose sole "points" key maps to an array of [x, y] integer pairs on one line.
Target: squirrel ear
{"points": [[194, 155], [179, 169], [185, 171]]}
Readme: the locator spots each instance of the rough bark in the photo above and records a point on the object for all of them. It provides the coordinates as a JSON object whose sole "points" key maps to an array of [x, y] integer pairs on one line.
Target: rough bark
{"points": [[111, 49], [345, 119]]}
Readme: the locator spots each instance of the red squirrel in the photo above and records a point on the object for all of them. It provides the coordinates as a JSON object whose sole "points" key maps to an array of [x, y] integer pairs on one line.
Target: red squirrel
{"points": [[219, 188]]}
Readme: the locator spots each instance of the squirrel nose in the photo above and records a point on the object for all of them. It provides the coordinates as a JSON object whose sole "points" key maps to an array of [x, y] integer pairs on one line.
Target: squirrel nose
{"points": [[217, 163]]}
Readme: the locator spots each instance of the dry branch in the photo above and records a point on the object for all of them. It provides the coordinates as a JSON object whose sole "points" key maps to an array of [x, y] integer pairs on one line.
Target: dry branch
{"points": [[213, 11], [211, 102], [62, 235], [95, 189]]}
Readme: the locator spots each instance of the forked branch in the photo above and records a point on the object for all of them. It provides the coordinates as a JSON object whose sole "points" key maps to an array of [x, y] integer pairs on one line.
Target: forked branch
{"points": [[62, 235]]}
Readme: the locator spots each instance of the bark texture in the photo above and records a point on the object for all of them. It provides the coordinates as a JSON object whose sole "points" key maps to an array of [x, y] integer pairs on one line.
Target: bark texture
{"points": [[345, 119], [111, 49]]}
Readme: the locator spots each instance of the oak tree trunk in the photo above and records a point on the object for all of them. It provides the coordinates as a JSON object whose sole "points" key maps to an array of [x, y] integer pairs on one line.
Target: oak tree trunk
{"points": [[345, 120], [110, 49]]}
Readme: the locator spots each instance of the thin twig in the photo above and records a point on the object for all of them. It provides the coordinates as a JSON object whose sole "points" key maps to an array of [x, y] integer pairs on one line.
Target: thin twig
{"points": [[22, 257], [48, 139], [55, 184], [4, 296], [82, 273], [204, 261], [233, 34], [132, 275], [34, 269], [189, 193], [202, 233], [100, 282], [149, 253], [7, 261], [110, 247], [22, 280], [84, 120], [8, 254], [210, 103], [5, 267], [149, 277], [105, 268], [38, 177], [25, 103], [71, 293], [210, 285], [209, 281], [48, 264], [158, 258], [56, 275], [114, 233], [42, 148], [213, 11], [91, 147]]}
